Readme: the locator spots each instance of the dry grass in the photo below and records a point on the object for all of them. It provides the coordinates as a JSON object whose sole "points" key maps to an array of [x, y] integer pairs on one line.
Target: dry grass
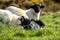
{"points": [[51, 5]]}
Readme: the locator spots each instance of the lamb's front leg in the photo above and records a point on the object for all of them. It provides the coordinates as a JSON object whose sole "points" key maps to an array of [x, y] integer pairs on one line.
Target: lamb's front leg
{"points": [[39, 22]]}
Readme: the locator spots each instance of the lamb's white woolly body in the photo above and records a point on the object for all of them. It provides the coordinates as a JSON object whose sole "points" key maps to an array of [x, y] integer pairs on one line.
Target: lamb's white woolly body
{"points": [[30, 13], [7, 16], [17, 11]]}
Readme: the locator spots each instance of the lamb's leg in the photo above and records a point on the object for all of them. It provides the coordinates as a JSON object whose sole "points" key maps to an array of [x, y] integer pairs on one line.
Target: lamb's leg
{"points": [[39, 22]]}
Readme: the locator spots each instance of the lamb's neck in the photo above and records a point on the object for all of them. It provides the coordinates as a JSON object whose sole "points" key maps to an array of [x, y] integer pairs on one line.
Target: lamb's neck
{"points": [[36, 15], [29, 10], [32, 14]]}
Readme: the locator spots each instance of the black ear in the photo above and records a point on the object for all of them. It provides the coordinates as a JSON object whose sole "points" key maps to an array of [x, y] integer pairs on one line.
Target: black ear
{"points": [[42, 6], [31, 6], [21, 18]]}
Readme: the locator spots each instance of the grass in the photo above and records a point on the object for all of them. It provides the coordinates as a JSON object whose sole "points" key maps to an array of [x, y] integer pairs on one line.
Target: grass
{"points": [[51, 30]]}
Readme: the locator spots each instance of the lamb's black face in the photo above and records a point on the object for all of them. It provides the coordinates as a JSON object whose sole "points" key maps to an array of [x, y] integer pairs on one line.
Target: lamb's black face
{"points": [[25, 21], [36, 7]]}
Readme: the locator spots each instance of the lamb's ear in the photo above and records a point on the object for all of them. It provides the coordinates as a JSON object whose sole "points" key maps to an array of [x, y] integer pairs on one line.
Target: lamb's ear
{"points": [[31, 6], [21, 18], [42, 6]]}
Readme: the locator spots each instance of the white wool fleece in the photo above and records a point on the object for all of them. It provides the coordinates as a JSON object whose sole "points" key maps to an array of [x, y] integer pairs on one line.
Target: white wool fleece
{"points": [[17, 11], [7, 16], [30, 13]]}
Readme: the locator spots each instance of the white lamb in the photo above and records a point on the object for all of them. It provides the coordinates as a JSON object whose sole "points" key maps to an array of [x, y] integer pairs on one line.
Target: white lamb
{"points": [[17, 11], [7, 17], [32, 13]]}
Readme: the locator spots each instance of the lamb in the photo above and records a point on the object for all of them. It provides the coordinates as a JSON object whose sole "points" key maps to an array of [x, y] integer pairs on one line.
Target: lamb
{"points": [[33, 13], [7, 17], [17, 11]]}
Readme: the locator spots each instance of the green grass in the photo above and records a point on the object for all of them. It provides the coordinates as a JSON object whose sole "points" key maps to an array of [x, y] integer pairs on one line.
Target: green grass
{"points": [[51, 30]]}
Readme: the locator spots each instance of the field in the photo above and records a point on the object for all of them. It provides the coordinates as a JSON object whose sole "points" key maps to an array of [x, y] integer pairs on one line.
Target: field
{"points": [[51, 30]]}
